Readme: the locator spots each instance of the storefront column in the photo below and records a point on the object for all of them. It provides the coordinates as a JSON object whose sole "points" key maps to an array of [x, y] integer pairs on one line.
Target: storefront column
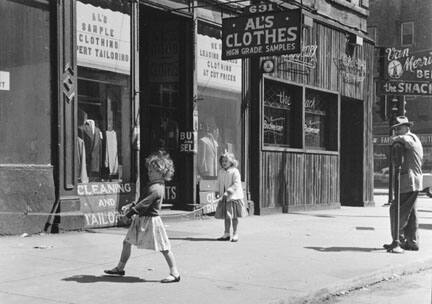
{"points": [[65, 173]]}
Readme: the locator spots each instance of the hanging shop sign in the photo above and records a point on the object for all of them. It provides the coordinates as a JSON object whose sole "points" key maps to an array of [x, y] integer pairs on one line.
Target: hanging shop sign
{"points": [[212, 71], [4, 81], [103, 39], [188, 141], [262, 34], [101, 202], [407, 72]]}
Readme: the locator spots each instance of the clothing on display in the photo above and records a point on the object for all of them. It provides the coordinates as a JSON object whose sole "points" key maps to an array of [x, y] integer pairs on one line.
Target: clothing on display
{"points": [[111, 152], [92, 137], [208, 158]]}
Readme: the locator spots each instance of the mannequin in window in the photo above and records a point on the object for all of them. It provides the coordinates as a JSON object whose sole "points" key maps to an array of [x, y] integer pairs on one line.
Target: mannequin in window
{"points": [[92, 137], [208, 149]]}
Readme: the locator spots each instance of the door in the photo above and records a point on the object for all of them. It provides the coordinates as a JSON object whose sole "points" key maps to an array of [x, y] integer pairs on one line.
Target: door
{"points": [[351, 152]]}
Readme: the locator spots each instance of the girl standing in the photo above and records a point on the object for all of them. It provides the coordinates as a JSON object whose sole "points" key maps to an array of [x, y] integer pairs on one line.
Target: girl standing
{"points": [[231, 205], [147, 230]]}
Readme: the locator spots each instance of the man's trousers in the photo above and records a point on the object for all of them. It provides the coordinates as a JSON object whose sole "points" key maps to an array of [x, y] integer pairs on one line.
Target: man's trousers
{"points": [[408, 224]]}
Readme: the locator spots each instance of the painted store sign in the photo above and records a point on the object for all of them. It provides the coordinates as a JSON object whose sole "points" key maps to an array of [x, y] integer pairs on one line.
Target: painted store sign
{"points": [[103, 39], [212, 71], [100, 202], [271, 33], [407, 72]]}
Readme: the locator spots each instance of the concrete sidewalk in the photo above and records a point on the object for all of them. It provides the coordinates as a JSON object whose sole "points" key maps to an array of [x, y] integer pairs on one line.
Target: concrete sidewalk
{"points": [[283, 258]]}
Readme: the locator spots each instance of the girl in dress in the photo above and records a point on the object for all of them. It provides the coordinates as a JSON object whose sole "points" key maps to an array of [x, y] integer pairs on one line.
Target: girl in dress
{"points": [[231, 205], [147, 230]]}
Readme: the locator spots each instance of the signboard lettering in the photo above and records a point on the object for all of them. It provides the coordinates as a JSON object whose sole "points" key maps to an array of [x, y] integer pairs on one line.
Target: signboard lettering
{"points": [[100, 202], [352, 70], [306, 58], [214, 72], [188, 141], [407, 73], [265, 34], [103, 39]]}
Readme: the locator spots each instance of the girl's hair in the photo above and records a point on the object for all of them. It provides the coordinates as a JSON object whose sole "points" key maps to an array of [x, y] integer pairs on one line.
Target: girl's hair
{"points": [[162, 163], [230, 157]]}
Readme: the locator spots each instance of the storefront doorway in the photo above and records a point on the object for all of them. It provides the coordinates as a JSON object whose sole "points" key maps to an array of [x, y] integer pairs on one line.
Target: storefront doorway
{"points": [[351, 152], [164, 91]]}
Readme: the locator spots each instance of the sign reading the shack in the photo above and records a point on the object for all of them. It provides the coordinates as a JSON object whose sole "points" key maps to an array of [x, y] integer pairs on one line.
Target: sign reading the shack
{"points": [[407, 72], [271, 33]]}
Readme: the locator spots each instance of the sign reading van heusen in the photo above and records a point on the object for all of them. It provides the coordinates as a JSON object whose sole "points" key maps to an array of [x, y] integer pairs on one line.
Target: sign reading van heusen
{"points": [[407, 72], [272, 33], [103, 39]]}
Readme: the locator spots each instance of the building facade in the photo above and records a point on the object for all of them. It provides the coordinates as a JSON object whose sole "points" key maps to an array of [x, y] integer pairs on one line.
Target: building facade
{"points": [[88, 88], [403, 25]]}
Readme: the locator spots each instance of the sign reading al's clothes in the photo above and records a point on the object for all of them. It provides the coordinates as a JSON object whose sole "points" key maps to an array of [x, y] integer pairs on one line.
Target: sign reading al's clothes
{"points": [[103, 39], [271, 33], [407, 73]]}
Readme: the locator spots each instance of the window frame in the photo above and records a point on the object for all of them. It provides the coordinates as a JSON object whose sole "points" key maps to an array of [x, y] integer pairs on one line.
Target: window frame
{"points": [[303, 148], [402, 33]]}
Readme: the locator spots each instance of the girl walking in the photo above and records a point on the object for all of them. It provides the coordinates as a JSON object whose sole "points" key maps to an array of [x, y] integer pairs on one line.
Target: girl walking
{"points": [[147, 230], [231, 205]]}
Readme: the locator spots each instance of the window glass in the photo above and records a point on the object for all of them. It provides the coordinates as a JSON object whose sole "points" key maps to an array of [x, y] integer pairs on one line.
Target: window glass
{"points": [[25, 82], [282, 109], [320, 127], [407, 33], [103, 57], [219, 102]]}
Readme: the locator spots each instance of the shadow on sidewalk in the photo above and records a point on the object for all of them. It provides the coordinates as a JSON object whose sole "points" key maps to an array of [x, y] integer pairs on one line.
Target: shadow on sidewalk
{"points": [[85, 278], [339, 249], [193, 239]]}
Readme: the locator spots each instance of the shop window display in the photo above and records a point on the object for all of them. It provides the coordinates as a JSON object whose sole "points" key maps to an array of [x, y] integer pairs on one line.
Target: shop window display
{"points": [[282, 106], [104, 117], [320, 127], [219, 102]]}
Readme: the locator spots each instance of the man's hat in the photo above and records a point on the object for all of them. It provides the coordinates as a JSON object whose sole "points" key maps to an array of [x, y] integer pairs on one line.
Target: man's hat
{"points": [[400, 121]]}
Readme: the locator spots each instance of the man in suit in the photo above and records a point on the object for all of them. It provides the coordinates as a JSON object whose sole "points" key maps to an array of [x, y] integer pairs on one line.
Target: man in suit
{"points": [[411, 182]]}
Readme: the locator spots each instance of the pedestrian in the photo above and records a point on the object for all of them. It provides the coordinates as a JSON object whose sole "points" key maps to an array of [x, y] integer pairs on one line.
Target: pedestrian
{"points": [[147, 230], [411, 181], [231, 205]]}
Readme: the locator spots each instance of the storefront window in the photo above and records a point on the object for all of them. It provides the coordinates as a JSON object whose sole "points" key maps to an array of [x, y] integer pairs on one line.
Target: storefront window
{"points": [[104, 110], [219, 102], [103, 54], [282, 109], [320, 127]]}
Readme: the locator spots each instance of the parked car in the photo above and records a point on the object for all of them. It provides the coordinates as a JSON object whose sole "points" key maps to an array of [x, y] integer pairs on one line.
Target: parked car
{"points": [[381, 178]]}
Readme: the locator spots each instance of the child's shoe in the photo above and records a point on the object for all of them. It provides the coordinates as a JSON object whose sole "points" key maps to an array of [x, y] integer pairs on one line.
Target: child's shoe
{"points": [[235, 238], [225, 237]]}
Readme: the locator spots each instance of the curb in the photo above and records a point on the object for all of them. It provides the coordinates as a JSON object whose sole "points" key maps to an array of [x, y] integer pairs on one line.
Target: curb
{"points": [[337, 289]]}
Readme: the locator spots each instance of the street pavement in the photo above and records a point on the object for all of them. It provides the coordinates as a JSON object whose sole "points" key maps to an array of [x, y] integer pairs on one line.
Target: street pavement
{"points": [[280, 258]]}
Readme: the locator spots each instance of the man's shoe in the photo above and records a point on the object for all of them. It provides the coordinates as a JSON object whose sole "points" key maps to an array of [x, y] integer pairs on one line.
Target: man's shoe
{"points": [[396, 249], [413, 247], [115, 271]]}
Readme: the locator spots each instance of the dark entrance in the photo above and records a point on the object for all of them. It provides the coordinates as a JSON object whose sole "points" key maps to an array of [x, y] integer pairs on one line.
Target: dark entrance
{"points": [[351, 152], [165, 95]]}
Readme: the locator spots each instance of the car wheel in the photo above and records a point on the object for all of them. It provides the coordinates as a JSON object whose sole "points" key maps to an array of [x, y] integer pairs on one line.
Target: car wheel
{"points": [[428, 191]]}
